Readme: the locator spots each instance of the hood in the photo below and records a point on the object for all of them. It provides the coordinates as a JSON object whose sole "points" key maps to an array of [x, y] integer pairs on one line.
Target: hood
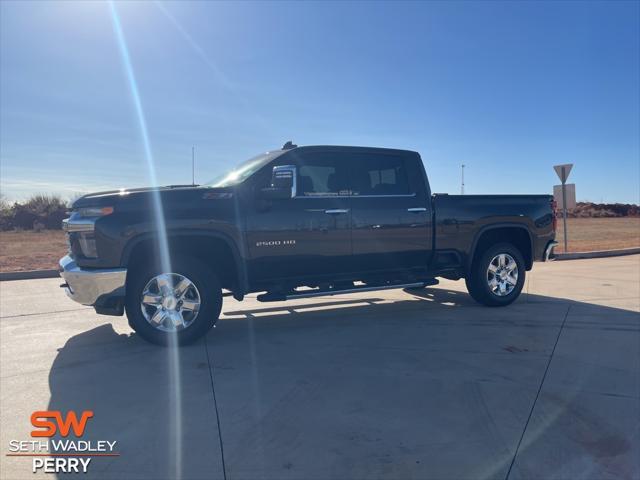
{"points": [[113, 197]]}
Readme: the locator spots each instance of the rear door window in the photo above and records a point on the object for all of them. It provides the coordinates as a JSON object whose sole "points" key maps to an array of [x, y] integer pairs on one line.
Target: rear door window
{"points": [[379, 175]]}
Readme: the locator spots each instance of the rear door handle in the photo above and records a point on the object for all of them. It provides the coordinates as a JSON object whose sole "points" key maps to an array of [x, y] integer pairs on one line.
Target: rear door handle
{"points": [[416, 209], [336, 211]]}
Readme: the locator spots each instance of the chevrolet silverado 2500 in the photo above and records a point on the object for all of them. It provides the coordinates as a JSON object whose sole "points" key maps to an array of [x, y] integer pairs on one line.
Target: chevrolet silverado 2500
{"points": [[292, 223]]}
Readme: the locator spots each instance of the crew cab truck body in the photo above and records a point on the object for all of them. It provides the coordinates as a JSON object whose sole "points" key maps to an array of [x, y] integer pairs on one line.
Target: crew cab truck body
{"points": [[297, 222]]}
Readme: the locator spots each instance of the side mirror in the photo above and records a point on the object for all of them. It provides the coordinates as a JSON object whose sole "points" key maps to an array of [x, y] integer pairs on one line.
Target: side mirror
{"points": [[283, 183]]}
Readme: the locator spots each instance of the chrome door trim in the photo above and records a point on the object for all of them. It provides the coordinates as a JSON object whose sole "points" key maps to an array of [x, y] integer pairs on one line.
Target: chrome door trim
{"points": [[335, 211], [409, 195], [404, 195]]}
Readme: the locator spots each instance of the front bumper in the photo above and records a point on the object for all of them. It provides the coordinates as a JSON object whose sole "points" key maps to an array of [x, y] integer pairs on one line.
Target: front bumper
{"points": [[100, 288]]}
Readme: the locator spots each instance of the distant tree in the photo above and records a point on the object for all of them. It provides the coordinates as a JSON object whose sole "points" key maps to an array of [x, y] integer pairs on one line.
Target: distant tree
{"points": [[6, 213], [40, 210]]}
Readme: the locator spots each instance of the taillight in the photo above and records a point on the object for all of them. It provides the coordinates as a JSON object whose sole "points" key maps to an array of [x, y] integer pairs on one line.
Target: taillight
{"points": [[554, 214]]}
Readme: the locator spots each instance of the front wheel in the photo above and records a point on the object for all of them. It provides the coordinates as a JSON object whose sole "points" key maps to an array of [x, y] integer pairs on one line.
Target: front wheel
{"points": [[497, 275], [178, 307]]}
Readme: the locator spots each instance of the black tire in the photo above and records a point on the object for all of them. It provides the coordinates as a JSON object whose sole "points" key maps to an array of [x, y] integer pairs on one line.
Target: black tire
{"points": [[208, 287], [477, 281]]}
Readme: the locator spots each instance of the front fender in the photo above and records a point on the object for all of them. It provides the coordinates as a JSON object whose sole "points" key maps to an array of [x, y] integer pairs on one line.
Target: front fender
{"points": [[239, 259]]}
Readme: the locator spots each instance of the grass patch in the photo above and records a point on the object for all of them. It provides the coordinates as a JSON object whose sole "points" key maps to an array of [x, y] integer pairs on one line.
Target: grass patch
{"points": [[589, 234], [30, 250]]}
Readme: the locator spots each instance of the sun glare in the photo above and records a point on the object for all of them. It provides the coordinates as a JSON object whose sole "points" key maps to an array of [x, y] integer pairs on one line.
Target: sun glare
{"points": [[175, 396]]}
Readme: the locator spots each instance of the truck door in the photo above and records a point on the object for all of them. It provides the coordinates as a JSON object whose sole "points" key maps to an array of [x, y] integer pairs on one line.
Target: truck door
{"points": [[391, 212], [308, 235]]}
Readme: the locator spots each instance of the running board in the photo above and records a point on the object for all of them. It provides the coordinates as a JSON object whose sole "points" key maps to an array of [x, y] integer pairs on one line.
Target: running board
{"points": [[270, 297]]}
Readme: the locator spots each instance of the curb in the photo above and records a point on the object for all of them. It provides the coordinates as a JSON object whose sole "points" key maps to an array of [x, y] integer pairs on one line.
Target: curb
{"points": [[597, 254], [28, 275]]}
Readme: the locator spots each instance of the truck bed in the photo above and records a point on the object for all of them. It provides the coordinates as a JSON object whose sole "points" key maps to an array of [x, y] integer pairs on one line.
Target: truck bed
{"points": [[460, 220]]}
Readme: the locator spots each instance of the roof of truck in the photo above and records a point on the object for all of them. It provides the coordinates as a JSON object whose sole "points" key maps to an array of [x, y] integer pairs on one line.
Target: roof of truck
{"points": [[343, 148]]}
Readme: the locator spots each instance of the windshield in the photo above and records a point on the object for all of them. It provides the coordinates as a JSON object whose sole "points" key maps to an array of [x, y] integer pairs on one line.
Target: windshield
{"points": [[244, 170]]}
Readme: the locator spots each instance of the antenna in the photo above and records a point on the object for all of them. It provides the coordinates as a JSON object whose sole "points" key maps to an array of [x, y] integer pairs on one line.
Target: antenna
{"points": [[193, 165], [462, 182]]}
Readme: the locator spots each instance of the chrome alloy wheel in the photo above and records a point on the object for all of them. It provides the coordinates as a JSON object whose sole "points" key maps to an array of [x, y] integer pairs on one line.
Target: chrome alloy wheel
{"points": [[170, 302], [502, 274]]}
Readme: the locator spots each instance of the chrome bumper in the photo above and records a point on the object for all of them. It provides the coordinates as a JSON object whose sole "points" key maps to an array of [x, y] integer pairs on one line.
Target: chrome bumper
{"points": [[89, 286], [548, 252]]}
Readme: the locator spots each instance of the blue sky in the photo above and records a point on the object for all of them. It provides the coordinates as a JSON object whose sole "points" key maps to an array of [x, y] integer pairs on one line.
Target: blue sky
{"points": [[508, 89]]}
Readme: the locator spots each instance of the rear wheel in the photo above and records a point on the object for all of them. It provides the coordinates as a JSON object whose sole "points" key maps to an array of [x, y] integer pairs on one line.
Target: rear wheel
{"points": [[177, 306], [497, 275]]}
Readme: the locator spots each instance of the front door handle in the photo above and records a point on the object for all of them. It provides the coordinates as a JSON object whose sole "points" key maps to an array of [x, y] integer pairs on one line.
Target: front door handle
{"points": [[416, 209], [336, 211]]}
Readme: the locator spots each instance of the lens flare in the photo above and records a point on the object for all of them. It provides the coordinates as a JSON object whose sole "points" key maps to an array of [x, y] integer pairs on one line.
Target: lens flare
{"points": [[175, 399], [158, 211]]}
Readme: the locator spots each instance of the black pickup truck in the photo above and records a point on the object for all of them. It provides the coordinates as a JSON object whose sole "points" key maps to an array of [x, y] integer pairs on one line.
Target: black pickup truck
{"points": [[292, 223]]}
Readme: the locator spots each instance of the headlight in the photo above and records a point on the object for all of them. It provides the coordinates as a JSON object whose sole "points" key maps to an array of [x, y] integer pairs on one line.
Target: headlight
{"points": [[82, 244], [80, 229], [88, 245], [95, 211]]}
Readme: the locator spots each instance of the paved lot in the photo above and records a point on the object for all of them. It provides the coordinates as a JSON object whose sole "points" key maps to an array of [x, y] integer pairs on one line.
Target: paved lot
{"points": [[393, 384]]}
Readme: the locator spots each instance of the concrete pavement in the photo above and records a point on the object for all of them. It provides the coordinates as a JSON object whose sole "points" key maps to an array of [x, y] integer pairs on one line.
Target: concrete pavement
{"points": [[393, 384]]}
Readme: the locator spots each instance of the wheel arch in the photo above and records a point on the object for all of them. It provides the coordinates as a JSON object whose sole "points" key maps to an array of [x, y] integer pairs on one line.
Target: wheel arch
{"points": [[214, 248], [517, 234]]}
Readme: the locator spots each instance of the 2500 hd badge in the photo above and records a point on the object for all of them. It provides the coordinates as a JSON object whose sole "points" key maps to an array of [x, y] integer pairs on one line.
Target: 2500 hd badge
{"points": [[275, 243]]}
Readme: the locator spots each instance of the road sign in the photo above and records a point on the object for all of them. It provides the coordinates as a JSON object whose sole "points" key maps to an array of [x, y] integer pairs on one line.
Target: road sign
{"points": [[563, 198], [570, 194], [563, 171]]}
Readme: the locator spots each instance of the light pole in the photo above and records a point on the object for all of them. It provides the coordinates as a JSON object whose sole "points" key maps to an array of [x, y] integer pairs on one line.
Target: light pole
{"points": [[462, 181]]}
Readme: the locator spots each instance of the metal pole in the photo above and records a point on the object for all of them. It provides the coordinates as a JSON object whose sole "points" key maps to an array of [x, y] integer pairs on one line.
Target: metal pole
{"points": [[564, 208], [462, 183], [193, 165]]}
